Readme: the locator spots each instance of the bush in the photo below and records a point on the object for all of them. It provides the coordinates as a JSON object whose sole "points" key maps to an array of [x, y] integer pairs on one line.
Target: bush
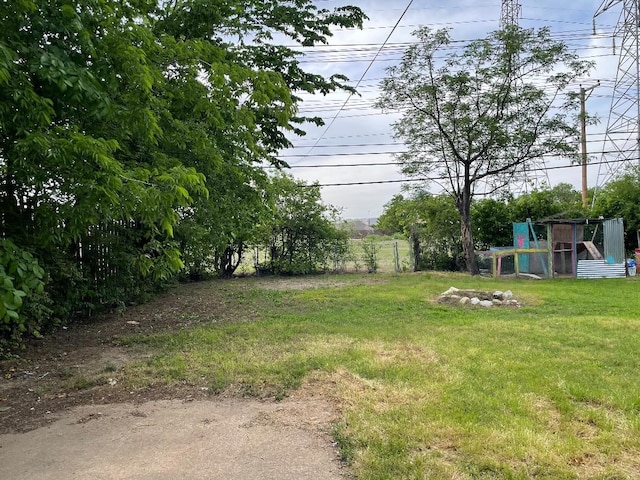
{"points": [[300, 233], [370, 254], [24, 305]]}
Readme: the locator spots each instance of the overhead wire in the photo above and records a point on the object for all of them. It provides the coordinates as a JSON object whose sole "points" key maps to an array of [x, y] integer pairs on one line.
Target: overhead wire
{"points": [[385, 52], [366, 71], [435, 179]]}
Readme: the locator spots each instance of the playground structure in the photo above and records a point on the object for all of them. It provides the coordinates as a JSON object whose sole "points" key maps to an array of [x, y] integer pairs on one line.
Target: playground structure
{"points": [[580, 248]]}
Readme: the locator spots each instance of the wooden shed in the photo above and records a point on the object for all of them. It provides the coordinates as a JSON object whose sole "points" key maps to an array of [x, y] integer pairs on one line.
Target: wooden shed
{"points": [[585, 247], [581, 248]]}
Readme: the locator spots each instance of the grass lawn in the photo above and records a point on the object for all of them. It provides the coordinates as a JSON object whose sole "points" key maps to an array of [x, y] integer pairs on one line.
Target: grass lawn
{"points": [[549, 390]]}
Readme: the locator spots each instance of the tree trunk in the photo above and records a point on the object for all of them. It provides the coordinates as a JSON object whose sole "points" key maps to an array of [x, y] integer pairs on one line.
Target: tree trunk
{"points": [[466, 234], [12, 219], [229, 262], [467, 243], [414, 239]]}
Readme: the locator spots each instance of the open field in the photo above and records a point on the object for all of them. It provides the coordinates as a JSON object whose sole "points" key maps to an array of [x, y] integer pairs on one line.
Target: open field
{"points": [[385, 255], [549, 390]]}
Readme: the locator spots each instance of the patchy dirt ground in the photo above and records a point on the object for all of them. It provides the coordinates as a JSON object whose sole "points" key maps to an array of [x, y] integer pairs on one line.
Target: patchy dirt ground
{"points": [[58, 421]]}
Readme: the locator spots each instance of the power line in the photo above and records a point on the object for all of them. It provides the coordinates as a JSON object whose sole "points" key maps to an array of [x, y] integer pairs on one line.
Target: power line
{"points": [[582, 40], [432, 179], [365, 72], [321, 49], [391, 144], [359, 154]]}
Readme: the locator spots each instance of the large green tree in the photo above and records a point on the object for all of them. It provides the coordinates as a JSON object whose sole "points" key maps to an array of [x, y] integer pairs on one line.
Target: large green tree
{"points": [[299, 232], [256, 82], [560, 201], [492, 223], [82, 171], [430, 223], [492, 218], [621, 198], [476, 118], [122, 122]]}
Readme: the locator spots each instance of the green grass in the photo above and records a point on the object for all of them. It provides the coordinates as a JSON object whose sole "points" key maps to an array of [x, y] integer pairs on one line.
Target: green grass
{"points": [[548, 391]]}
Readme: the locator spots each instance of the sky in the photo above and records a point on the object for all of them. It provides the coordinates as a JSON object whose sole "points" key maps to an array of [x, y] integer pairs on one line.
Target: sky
{"points": [[358, 137]]}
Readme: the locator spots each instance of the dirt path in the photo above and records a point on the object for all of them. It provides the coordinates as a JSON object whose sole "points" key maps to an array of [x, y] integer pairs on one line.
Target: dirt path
{"points": [[61, 417]]}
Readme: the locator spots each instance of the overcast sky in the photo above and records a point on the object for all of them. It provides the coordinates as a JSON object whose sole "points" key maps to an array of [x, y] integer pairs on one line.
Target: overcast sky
{"points": [[358, 134]]}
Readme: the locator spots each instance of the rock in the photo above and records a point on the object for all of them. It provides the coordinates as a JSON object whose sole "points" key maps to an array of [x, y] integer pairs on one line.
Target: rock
{"points": [[480, 298]]}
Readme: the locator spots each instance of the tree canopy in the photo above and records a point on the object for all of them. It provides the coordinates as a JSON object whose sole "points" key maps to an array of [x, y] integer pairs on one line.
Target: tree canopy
{"points": [[475, 120], [125, 127], [431, 225], [299, 233], [621, 198]]}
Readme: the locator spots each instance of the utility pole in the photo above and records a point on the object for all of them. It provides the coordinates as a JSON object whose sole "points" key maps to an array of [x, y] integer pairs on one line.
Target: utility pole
{"points": [[583, 138]]}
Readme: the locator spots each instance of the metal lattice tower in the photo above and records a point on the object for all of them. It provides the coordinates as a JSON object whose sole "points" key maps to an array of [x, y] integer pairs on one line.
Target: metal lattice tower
{"points": [[510, 14], [622, 137]]}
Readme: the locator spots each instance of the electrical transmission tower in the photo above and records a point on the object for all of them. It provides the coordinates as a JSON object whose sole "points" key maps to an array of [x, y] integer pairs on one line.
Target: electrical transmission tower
{"points": [[510, 13], [535, 174], [622, 137]]}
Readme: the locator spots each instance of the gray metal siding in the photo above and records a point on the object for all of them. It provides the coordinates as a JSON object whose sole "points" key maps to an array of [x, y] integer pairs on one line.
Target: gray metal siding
{"points": [[614, 241], [600, 269]]}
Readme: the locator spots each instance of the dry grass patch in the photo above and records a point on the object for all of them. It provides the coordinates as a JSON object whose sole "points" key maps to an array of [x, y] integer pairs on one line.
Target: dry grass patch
{"points": [[544, 411], [316, 281], [399, 352]]}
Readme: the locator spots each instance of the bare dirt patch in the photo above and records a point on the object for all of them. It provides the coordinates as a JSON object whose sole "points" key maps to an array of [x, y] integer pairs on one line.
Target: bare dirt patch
{"points": [[61, 412]]}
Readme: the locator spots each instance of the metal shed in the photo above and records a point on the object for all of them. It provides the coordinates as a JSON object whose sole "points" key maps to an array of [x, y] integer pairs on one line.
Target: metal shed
{"points": [[585, 248]]}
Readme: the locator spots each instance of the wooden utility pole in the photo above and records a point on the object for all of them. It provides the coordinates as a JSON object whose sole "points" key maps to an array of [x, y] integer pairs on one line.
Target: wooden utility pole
{"points": [[583, 138]]}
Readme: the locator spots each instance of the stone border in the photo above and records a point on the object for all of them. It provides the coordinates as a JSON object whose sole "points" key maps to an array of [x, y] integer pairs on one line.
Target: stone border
{"points": [[478, 298]]}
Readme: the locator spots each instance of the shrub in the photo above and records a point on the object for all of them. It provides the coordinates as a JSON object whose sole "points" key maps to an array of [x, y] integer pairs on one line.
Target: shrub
{"points": [[24, 305], [370, 254]]}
